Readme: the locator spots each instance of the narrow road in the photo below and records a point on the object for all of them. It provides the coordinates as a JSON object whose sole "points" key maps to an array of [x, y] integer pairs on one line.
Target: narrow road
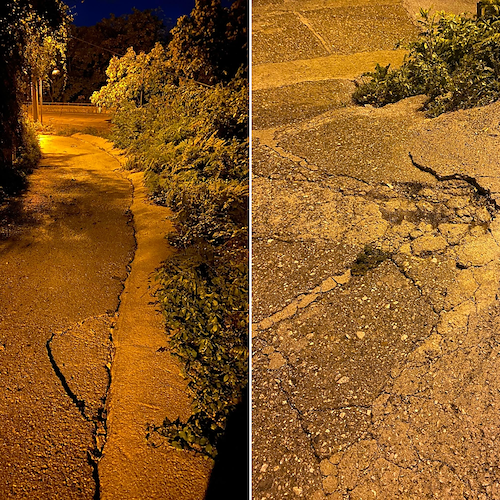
{"points": [[64, 253], [83, 355]]}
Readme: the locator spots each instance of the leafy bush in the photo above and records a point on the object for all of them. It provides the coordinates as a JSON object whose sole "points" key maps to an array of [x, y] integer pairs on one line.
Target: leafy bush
{"points": [[192, 143], [27, 156], [204, 297], [455, 62], [191, 140], [195, 154]]}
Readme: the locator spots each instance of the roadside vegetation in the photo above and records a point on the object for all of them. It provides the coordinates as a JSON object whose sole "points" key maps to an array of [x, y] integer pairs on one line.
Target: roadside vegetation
{"points": [[455, 62], [32, 39], [90, 48], [19, 160], [182, 117]]}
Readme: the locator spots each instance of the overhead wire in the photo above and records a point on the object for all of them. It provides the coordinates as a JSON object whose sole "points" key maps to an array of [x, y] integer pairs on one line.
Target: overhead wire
{"points": [[96, 46]]}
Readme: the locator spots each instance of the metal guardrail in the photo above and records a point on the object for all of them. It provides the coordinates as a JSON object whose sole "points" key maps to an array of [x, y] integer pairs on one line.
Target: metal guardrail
{"points": [[69, 107]]}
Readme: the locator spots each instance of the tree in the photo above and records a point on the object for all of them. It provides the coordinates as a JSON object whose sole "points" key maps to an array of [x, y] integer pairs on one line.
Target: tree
{"points": [[134, 78], [30, 36], [44, 48], [91, 48], [237, 39], [211, 44]]}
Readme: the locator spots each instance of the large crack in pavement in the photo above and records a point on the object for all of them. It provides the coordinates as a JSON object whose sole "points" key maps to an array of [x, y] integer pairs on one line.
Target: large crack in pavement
{"points": [[82, 355], [79, 403], [81, 358], [97, 420], [456, 176], [442, 240], [146, 385]]}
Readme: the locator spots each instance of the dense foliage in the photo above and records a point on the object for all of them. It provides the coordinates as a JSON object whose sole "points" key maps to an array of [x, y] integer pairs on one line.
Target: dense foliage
{"points": [[32, 39], [204, 298], [210, 45], [182, 116], [13, 173], [91, 48], [455, 62]]}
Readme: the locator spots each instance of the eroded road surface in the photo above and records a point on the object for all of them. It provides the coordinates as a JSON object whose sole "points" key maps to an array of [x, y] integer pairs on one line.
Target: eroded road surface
{"points": [[376, 269], [83, 365], [64, 253]]}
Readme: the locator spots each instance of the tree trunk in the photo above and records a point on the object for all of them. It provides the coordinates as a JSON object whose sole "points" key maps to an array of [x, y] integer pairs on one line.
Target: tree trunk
{"points": [[34, 101]]}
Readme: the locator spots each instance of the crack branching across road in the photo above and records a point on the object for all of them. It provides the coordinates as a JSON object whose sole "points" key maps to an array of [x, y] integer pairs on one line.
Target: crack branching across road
{"points": [[384, 386], [85, 375]]}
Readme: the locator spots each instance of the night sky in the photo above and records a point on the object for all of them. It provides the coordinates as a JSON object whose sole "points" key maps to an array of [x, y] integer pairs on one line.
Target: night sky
{"points": [[90, 12]]}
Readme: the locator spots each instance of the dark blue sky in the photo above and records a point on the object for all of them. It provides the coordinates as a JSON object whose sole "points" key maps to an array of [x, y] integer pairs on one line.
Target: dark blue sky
{"points": [[90, 12]]}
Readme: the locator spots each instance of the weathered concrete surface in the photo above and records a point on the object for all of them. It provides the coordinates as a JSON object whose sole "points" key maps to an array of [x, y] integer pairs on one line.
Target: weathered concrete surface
{"points": [[375, 281], [467, 7], [146, 384], [266, 76]]}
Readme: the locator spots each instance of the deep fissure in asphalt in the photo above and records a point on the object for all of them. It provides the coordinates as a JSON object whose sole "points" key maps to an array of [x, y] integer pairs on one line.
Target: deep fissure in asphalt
{"points": [[99, 421]]}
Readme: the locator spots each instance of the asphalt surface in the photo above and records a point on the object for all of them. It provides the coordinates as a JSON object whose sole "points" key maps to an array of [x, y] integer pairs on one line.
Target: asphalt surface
{"points": [[375, 275], [84, 364], [64, 250]]}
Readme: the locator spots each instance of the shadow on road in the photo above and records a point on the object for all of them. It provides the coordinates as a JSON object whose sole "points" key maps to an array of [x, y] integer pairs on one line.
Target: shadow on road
{"points": [[230, 478], [13, 216], [57, 159]]}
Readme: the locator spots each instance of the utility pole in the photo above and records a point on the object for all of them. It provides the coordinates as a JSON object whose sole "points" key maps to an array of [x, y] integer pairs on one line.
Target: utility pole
{"points": [[36, 100], [40, 100]]}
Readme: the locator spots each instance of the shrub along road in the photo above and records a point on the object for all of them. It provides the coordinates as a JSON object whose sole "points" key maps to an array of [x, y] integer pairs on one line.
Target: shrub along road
{"points": [[375, 273], [77, 257]]}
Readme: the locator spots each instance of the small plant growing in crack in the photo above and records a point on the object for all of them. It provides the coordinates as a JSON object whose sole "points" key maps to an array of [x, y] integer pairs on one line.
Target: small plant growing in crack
{"points": [[370, 258]]}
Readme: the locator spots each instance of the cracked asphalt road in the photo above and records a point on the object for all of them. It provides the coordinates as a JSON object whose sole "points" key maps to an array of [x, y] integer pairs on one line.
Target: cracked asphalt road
{"points": [[64, 249], [375, 281], [82, 372]]}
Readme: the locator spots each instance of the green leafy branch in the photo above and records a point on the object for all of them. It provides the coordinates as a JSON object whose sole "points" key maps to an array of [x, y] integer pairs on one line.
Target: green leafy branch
{"points": [[204, 297], [455, 62]]}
